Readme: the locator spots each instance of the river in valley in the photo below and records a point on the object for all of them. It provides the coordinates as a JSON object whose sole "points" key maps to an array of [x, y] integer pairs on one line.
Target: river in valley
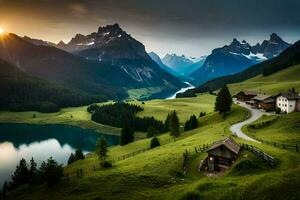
{"points": [[42, 141], [190, 86]]}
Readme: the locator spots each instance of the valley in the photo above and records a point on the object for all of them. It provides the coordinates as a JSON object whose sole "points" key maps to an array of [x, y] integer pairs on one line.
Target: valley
{"points": [[131, 100]]}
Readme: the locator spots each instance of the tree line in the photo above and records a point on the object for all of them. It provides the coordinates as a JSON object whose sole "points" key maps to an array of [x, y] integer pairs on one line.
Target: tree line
{"points": [[34, 94], [121, 114], [49, 172]]}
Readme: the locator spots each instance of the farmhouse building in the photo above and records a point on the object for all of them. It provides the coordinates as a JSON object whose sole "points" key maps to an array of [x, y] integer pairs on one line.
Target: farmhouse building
{"points": [[265, 102], [245, 95], [222, 154], [288, 102]]}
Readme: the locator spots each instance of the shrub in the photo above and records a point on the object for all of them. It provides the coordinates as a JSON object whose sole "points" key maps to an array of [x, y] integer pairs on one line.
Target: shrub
{"points": [[277, 110], [105, 164], [190, 196], [154, 143], [152, 131]]}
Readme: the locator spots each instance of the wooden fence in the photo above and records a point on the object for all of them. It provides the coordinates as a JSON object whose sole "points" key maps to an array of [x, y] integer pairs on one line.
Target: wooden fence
{"points": [[269, 159], [293, 147], [197, 150], [80, 172]]}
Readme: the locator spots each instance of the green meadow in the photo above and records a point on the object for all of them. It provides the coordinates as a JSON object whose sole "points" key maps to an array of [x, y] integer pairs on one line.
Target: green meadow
{"points": [[158, 174], [272, 84]]}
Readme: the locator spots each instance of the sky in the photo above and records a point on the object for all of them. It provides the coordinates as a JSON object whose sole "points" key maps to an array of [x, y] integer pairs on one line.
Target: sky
{"points": [[189, 27]]}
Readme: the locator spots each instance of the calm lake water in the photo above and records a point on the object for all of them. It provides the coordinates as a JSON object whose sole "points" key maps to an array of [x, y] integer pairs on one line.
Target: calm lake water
{"points": [[42, 141]]}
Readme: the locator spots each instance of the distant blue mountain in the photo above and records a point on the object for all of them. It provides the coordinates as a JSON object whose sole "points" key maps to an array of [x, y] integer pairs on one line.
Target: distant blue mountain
{"points": [[237, 57]]}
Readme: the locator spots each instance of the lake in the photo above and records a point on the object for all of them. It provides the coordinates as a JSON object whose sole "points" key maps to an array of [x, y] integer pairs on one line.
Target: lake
{"points": [[42, 141]]}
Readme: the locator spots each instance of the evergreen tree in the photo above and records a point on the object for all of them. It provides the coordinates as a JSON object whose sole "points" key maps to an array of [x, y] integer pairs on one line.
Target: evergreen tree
{"points": [[174, 125], [51, 172], [223, 101], [187, 125], [79, 155], [21, 174], [4, 189], [151, 131], [33, 171], [101, 148], [167, 122], [154, 143], [194, 122], [71, 159], [127, 134]]}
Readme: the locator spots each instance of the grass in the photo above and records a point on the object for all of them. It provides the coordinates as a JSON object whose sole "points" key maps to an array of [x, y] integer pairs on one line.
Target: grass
{"points": [[286, 129], [78, 116], [273, 84], [157, 173]]}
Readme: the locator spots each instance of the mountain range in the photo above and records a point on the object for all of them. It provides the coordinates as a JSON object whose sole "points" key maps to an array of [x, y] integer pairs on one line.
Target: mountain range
{"points": [[288, 58], [109, 66], [181, 64], [236, 57]]}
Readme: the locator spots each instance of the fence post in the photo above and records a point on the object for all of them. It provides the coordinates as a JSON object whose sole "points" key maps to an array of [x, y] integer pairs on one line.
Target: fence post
{"points": [[77, 173], [196, 149], [296, 148], [94, 168], [67, 177], [81, 172], [283, 146], [274, 144]]}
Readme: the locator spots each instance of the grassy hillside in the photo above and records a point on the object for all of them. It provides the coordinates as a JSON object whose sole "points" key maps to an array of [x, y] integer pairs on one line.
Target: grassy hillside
{"points": [[284, 129], [272, 84], [157, 173], [78, 116]]}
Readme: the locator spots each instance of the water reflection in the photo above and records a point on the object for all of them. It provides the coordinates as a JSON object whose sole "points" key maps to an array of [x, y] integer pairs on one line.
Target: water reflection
{"points": [[42, 141]]}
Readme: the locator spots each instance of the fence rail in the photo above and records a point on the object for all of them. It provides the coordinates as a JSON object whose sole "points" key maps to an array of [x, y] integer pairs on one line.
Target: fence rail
{"points": [[269, 159], [281, 145]]}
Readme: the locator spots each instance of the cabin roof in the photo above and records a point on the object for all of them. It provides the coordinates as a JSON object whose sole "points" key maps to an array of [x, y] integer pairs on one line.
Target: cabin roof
{"points": [[289, 95], [229, 143], [251, 93], [261, 97]]}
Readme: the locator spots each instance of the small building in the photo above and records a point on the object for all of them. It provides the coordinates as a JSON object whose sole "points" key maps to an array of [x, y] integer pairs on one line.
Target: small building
{"points": [[222, 154], [245, 95], [288, 102], [265, 102]]}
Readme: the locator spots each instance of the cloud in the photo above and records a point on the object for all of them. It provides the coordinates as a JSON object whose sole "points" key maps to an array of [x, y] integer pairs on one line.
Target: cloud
{"points": [[78, 9]]}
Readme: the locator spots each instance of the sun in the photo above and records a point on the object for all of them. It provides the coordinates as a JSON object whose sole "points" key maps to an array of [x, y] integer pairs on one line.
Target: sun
{"points": [[1, 31]]}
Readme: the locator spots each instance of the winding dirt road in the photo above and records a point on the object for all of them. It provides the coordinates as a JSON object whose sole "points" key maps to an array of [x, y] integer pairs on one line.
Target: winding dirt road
{"points": [[237, 128]]}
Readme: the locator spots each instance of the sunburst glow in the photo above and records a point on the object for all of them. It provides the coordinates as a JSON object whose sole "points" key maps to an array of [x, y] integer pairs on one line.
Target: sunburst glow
{"points": [[1, 31]]}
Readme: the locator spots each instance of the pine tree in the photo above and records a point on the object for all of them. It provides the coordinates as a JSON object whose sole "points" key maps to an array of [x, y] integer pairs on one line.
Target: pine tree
{"points": [[194, 122], [79, 155], [21, 174], [51, 171], [223, 101], [154, 143], [101, 148], [174, 125], [4, 189], [71, 159], [167, 122], [33, 171], [151, 131], [127, 134]]}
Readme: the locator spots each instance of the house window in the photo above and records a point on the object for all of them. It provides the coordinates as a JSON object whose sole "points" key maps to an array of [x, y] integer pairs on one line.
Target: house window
{"points": [[279, 104], [290, 105]]}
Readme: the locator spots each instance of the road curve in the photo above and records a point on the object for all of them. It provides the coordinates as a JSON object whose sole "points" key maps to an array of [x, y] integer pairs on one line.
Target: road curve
{"points": [[237, 128]]}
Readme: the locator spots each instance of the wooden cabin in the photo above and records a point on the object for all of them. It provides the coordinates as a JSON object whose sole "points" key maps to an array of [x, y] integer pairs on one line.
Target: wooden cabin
{"points": [[265, 102], [222, 154], [245, 96]]}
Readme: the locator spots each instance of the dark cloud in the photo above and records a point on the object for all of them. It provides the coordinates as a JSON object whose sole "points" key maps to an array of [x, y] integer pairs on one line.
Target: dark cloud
{"points": [[191, 26]]}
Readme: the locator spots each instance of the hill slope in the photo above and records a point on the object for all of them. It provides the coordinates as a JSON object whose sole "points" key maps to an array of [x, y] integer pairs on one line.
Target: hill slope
{"points": [[288, 58], [20, 92], [272, 84]]}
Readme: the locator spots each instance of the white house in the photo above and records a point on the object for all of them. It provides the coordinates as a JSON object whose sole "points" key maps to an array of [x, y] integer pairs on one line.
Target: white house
{"points": [[288, 101]]}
